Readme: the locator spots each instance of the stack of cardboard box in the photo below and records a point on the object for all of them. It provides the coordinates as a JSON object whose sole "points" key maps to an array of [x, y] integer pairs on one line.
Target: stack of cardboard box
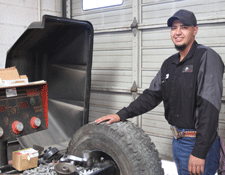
{"points": [[11, 77]]}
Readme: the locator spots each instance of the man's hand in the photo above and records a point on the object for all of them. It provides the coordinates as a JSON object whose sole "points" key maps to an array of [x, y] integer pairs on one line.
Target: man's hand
{"points": [[112, 119], [196, 165]]}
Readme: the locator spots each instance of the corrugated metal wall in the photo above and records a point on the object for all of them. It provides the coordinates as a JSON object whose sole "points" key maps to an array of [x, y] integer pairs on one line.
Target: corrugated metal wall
{"points": [[120, 58]]}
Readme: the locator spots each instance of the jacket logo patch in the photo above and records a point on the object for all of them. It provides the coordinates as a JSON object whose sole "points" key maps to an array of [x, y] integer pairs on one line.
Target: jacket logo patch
{"points": [[188, 68]]}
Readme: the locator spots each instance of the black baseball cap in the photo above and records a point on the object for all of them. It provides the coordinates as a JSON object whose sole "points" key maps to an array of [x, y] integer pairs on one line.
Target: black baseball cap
{"points": [[186, 17]]}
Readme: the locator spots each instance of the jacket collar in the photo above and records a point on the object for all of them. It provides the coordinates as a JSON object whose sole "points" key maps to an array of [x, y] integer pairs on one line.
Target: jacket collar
{"points": [[188, 56]]}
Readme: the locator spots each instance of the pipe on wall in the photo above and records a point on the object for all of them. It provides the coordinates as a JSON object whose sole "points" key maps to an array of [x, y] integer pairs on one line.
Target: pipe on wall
{"points": [[64, 8], [39, 10]]}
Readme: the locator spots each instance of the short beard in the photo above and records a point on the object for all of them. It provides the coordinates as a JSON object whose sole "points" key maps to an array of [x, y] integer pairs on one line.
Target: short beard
{"points": [[182, 47]]}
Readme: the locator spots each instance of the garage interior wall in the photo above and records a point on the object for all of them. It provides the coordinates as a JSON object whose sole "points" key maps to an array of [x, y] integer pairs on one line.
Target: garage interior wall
{"points": [[123, 55], [16, 16]]}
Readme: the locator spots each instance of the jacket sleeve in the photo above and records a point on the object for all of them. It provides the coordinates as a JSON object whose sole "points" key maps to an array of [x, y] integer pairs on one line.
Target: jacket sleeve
{"points": [[209, 93], [148, 100]]}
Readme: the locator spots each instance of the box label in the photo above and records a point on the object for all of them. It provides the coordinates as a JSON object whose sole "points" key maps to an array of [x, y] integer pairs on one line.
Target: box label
{"points": [[11, 92]]}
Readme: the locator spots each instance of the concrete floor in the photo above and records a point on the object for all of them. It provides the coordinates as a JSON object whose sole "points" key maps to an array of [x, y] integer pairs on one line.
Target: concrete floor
{"points": [[170, 168]]}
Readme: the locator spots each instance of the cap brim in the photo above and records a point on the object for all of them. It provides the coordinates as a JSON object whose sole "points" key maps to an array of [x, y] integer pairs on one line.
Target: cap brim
{"points": [[170, 21]]}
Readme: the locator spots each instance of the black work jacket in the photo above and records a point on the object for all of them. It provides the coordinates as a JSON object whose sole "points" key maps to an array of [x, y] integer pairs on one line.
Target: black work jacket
{"points": [[191, 91]]}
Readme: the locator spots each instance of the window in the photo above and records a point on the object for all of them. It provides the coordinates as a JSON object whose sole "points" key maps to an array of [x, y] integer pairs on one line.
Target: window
{"points": [[92, 4]]}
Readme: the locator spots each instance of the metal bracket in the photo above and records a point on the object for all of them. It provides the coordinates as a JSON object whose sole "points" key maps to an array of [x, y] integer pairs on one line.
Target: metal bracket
{"points": [[71, 158], [134, 90], [134, 26]]}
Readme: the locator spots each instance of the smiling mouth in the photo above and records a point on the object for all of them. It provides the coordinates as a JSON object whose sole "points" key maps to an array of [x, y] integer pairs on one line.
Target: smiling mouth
{"points": [[179, 39]]}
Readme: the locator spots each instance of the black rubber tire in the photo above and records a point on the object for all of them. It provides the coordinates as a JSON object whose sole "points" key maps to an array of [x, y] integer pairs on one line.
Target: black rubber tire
{"points": [[129, 147]]}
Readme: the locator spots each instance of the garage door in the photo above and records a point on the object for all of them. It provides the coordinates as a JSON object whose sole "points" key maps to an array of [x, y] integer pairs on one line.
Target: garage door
{"points": [[126, 52]]}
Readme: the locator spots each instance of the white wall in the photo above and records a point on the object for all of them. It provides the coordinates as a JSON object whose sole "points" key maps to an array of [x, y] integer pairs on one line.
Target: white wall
{"points": [[16, 16]]}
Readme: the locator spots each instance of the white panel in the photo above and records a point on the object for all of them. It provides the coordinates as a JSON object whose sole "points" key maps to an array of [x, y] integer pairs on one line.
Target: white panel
{"points": [[147, 77], [32, 4], [78, 10], [48, 12], [90, 4], [113, 41], [17, 15], [109, 79], [3, 50], [152, 2], [107, 103], [112, 60], [13, 2], [222, 114], [51, 7], [116, 16], [3, 13], [205, 11], [164, 146], [152, 59], [159, 38], [48, 5], [10, 33], [109, 19], [156, 126], [212, 35]]}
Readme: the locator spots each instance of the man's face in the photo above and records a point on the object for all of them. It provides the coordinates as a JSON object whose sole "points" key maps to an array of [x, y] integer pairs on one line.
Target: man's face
{"points": [[182, 36]]}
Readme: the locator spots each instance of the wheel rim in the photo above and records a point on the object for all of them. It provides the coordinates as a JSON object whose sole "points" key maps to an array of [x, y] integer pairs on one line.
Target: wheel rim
{"points": [[101, 156]]}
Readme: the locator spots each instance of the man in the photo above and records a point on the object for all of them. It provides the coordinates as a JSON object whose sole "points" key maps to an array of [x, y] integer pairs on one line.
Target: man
{"points": [[190, 85]]}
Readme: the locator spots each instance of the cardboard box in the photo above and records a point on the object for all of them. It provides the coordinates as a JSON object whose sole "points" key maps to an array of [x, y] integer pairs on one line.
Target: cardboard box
{"points": [[25, 159], [11, 77]]}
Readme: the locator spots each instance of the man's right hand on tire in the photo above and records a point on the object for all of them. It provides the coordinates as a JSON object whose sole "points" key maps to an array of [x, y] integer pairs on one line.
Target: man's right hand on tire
{"points": [[112, 118]]}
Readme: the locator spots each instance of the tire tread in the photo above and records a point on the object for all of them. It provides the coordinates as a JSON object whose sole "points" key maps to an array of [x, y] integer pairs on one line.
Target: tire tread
{"points": [[134, 142]]}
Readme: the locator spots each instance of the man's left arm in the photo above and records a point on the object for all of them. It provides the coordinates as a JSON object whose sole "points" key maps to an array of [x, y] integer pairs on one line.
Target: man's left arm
{"points": [[209, 93]]}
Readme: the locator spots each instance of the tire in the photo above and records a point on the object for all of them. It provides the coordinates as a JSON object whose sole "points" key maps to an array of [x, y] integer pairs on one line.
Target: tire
{"points": [[127, 145]]}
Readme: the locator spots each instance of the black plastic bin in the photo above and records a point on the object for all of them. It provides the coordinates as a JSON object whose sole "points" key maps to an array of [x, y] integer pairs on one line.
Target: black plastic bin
{"points": [[58, 50]]}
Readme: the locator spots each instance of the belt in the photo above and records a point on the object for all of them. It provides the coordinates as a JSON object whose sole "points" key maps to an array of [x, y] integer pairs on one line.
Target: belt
{"points": [[180, 134]]}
